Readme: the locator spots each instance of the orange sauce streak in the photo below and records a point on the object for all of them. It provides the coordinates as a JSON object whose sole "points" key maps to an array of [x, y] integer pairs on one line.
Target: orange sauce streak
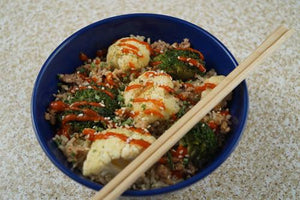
{"points": [[127, 50], [167, 88], [135, 72], [88, 114], [180, 152], [153, 112], [163, 160], [134, 114], [58, 106], [109, 79], [193, 50], [64, 130], [224, 113], [139, 130], [204, 87], [93, 137], [188, 85], [131, 65], [210, 85], [126, 113], [192, 62], [119, 112], [181, 97], [212, 125], [131, 46], [108, 93], [155, 63], [134, 86], [173, 117], [156, 102], [138, 41], [148, 74], [97, 61]]}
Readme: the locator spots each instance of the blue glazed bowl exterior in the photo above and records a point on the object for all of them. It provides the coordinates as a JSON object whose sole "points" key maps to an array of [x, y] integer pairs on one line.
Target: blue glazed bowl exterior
{"points": [[100, 35]]}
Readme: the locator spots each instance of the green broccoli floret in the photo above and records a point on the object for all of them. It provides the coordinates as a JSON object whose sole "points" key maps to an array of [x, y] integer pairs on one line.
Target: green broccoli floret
{"points": [[201, 143], [92, 95], [176, 68]]}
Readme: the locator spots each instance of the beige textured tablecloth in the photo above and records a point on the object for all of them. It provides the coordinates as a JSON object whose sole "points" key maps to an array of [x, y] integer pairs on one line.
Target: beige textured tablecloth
{"points": [[266, 163]]}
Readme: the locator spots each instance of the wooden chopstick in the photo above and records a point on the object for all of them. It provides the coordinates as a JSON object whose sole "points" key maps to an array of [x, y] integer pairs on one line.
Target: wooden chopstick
{"points": [[148, 157]]}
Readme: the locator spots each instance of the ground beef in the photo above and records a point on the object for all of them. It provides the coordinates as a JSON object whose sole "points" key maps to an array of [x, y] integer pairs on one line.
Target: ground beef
{"points": [[184, 44], [157, 128], [51, 117], [71, 78], [164, 173], [160, 46]]}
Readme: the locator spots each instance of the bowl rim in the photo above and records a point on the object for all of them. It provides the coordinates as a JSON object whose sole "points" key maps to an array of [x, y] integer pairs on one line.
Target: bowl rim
{"points": [[92, 185]]}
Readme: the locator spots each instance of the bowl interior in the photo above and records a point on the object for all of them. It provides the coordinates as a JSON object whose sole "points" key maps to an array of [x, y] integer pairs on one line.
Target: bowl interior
{"points": [[100, 35]]}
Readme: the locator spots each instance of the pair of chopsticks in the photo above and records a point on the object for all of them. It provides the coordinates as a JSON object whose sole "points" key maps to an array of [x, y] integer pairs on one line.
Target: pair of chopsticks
{"points": [[154, 152]]}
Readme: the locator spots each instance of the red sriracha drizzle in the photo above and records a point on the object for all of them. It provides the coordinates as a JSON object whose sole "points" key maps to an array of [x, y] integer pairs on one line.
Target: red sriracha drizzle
{"points": [[87, 114], [100, 136]]}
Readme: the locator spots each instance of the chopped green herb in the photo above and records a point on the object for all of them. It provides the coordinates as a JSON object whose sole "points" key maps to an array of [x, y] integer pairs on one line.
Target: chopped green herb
{"points": [[128, 121], [93, 65], [185, 160], [73, 154], [170, 161], [57, 141], [143, 106]]}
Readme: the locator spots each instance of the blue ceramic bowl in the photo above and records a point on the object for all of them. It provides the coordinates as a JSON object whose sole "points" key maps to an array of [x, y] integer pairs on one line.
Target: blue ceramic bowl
{"points": [[100, 35]]}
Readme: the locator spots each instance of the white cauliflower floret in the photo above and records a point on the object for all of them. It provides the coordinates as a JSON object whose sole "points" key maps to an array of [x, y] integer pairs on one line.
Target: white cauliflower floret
{"points": [[151, 98], [129, 53], [214, 80], [112, 154]]}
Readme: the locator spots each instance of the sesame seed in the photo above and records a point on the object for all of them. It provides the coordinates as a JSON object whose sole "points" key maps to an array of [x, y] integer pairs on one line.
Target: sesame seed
{"points": [[80, 115], [101, 104], [128, 140]]}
